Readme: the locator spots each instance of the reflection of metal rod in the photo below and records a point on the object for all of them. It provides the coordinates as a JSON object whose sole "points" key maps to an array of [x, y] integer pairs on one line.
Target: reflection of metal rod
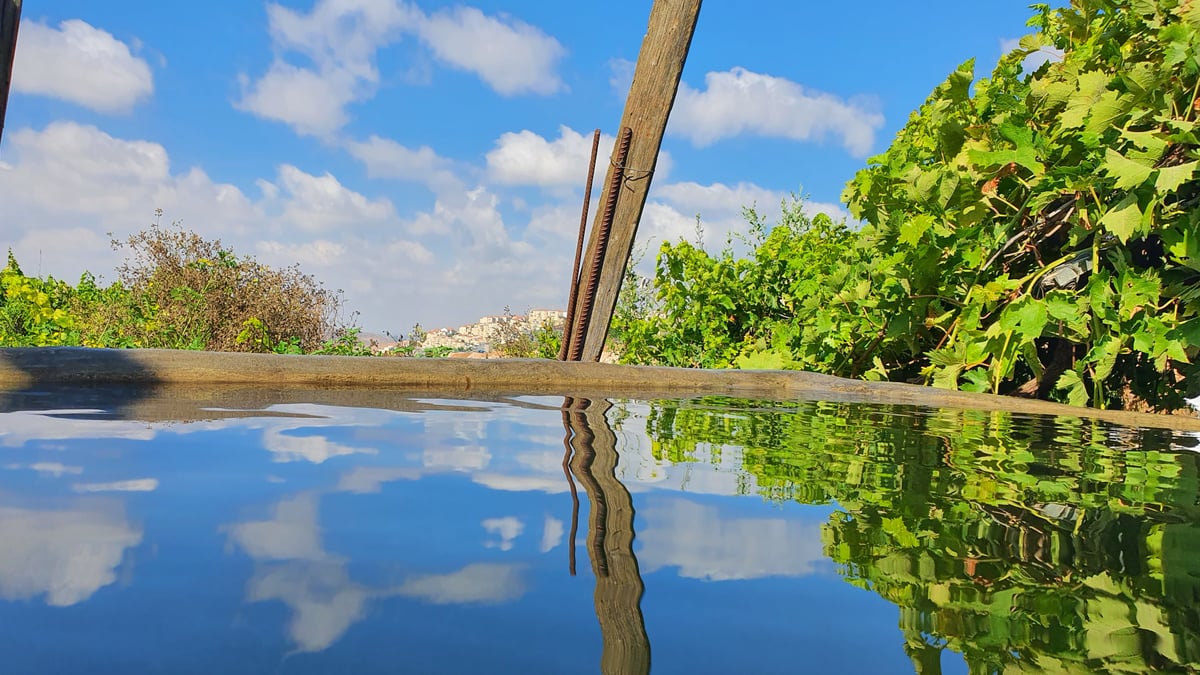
{"points": [[568, 403], [619, 585]]}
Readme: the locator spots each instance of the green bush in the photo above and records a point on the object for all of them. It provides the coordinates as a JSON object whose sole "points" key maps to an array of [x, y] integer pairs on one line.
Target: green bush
{"points": [[1031, 234], [177, 291]]}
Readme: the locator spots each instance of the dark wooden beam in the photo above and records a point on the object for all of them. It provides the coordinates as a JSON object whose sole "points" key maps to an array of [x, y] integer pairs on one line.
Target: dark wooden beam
{"points": [[10, 20]]}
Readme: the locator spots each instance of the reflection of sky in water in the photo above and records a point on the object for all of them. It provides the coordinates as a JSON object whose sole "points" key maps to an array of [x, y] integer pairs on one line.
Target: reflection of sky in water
{"points": [[332, 539]]}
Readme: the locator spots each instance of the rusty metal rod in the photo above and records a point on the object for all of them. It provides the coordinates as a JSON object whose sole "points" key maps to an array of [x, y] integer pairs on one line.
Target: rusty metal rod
{"points": [[602, 235], [571, 300]]}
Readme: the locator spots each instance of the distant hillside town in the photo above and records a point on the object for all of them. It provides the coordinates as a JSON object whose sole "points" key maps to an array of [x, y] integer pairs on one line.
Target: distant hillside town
{"points": [[483, 336]]}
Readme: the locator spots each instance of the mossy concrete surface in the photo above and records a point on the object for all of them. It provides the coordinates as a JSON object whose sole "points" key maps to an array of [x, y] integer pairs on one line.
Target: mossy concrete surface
{"points": [[365, 379]]}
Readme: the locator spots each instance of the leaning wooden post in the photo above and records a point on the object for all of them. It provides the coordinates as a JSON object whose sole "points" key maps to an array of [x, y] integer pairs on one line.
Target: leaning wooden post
{"points": [[655, 81], [10, 19]]}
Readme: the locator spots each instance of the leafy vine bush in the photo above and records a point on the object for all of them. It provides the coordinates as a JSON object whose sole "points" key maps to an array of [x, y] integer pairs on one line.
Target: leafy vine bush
{"points": [[179, 291], [1036, 236]]}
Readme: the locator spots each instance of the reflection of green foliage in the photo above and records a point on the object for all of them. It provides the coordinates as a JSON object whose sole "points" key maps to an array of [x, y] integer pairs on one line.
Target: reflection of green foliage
{"points": [[1024, 543]]}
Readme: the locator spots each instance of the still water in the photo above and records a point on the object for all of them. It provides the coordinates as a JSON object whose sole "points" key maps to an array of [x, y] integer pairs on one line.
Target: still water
{"points": [[543, 535]]}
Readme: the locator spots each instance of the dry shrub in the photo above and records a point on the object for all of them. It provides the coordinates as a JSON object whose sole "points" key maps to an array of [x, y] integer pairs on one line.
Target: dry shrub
{"points": [[201, 294]]}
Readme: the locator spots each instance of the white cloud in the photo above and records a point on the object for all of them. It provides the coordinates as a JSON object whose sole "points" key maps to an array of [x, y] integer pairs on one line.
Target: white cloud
{"points": [[22, 426], [479, 583], [323, 600], [65, 555], [323, 203], [526, 158], [508, 54], [507, 483], [65, 186], [507, 528], [313, 104], [340, 39], [670, 214], [703, 544], [311, 448], [81, 64], [136, 485], [552, 534], [370, 479], [290, 533], [55, 469], [1035, 59], [743, 102], [621, 76], [385, 158]]}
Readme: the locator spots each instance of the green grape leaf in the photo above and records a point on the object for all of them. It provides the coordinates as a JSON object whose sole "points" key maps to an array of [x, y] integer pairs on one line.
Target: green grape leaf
{"points": [[1129, 174]]}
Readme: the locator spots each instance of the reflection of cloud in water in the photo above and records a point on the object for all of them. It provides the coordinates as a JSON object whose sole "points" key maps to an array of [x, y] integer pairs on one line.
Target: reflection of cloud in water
{"points": [[311, 448], [323, 599], [293, 567], [552, 534], [56, 469], [370, 479], [507, 528], [546, 461], [290, 533], [508, 483], [21, 426], [479, 583], [460, 458], [67, 554], [704, 545], [136, 485]]}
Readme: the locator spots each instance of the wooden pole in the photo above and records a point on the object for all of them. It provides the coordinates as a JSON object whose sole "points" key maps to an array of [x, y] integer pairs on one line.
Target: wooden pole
{"points": [[655, 82], [10, 19]]}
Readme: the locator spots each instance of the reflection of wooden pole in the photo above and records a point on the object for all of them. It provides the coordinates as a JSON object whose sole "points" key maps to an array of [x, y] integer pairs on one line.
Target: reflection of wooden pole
{"points": [[10, 20], [655, 82], [619, 585]]}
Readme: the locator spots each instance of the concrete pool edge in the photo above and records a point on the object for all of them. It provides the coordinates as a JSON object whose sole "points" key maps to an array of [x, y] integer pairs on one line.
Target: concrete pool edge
{"points": [[30, 367]]}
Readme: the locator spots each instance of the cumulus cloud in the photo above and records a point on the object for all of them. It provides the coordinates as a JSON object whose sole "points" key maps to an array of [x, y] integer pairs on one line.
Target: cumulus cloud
{"points": [[82, 64], [740, 102], [508, 54], [312, 103], [65, 186], [65, 555], [385, 158], [703, 544], [338, 40], [526, 158], [322, 203]]}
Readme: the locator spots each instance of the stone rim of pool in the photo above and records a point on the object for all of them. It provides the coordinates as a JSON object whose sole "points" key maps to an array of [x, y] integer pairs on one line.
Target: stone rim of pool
{"points": [[26, 368]]}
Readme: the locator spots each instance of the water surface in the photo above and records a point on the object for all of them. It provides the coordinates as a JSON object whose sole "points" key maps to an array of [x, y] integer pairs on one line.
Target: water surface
{"points": [[542, 535]]}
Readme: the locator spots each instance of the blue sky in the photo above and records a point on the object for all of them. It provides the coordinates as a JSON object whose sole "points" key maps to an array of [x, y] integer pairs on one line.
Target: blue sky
{"points": [[428, 158]]}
